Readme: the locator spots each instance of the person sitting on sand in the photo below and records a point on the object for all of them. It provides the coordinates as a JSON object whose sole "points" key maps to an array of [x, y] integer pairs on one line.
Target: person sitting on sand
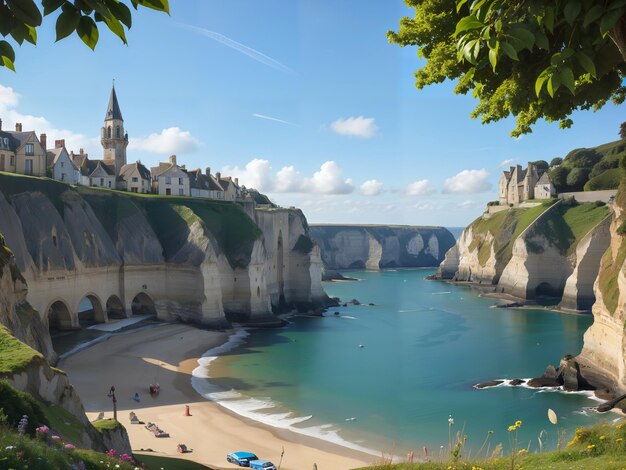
{"points": [[136, 397]]}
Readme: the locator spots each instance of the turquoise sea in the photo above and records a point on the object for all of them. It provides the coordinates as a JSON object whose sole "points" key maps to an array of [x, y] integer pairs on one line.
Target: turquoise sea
{"points": [[425, 344]]}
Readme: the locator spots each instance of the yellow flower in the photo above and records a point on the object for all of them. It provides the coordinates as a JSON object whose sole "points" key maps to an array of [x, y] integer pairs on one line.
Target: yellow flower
{"points": [[518, 423], [522, 451], [619, 426], [602, 438], [619, 439], [512, 428], [591, 446]]}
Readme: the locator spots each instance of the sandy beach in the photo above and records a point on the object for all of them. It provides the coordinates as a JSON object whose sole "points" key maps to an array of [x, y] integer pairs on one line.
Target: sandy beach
{"points": [[168, 354]]}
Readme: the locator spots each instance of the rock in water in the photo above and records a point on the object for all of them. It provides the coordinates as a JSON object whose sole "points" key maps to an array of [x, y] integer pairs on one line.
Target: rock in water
{"points": [[491, 383]]}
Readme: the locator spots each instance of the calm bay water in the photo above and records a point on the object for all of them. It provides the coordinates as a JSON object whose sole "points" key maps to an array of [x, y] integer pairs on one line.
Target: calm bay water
{"points": [[425, 344]]}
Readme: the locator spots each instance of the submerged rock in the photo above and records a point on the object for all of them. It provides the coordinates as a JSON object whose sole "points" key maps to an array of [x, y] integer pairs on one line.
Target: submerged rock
{"points": [[491, 383]]}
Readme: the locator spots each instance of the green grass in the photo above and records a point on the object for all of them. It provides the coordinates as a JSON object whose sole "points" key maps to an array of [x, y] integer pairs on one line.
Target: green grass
{"points": [[608, 180], [567, 224], [106, 424], [155, 462], [63, 422], [110, 208], [15, 356], [12, 184], [505, 227], [601, 447]]}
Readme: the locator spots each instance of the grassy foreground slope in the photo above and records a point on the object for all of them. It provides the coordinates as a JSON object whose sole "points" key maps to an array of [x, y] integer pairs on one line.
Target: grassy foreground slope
{"points": [[601, 447]]}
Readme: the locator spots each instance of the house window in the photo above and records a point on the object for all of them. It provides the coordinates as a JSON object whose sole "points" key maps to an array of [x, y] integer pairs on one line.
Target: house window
{"points": [[11, 160], [109, 132], [6, 141], [28, 167], [133, 190], [180, 181], [1, 162], [168, 180], [30, 149], [180, 192], [62, 164], [135, 179], [62, 176], [117, 132], [109, 184], [102, 182], [168, 191]]}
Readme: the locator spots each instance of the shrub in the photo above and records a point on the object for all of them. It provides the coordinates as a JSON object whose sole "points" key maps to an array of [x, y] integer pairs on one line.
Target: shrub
{"points": [[559, 177], [582, 158], [577, 178], [541, 165], [16, 404], [556, 161], [493, 203], [610, 179]]}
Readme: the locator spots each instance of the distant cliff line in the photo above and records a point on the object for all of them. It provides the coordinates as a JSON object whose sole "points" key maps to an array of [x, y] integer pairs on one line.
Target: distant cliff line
{"points": [[368, 246]]}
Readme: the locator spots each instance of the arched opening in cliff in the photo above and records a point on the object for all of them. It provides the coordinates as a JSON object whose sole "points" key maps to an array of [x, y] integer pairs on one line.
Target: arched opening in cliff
{"points": [[143, 305], [546, 290], [115, 308], [90, 311], [59, 317], [280, 268]]}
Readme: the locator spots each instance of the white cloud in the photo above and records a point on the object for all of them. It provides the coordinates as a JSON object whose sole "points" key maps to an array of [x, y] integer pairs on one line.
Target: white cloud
{"points": [[419, 188], [168, 141], [506, 162], [328, 180], [360, 126], [371, 188], [9, 100], [468, 182], [258, 174]]}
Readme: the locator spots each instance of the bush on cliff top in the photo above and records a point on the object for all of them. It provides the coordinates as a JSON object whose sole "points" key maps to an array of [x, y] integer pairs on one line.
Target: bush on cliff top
{"points": [[15, 355], [608, 179]]}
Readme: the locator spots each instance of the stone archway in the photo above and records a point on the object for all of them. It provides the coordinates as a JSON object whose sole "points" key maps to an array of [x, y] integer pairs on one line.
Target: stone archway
{"points": [[59, 317], [90, 311], [115, 308], [143, 305]]}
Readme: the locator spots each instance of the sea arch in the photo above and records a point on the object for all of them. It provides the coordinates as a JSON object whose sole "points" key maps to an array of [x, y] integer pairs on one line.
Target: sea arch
{"points": [[97, 313], [59, 316], [115, 307], [143, 304]]}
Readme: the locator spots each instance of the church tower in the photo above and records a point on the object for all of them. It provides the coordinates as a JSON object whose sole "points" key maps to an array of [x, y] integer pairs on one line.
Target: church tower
{"points": [[113, 138]]}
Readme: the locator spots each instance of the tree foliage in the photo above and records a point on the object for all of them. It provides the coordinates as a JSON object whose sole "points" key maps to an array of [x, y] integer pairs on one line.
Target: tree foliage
{"points": [[556, 161], [531, 59], [541, 165], [19, 20]]}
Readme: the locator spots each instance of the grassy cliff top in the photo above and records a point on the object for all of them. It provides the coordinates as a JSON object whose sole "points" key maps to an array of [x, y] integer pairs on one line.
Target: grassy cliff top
{"points": [[504, 227], [15, 356]]}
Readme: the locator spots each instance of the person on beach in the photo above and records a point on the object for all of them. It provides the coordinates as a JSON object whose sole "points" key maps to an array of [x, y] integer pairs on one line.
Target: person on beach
{"points": [[136, 397]]}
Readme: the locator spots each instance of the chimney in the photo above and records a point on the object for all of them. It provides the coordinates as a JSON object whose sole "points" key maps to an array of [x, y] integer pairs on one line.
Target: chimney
{"points": [[18, 127], [0, 124], [207, 171], [218, 176], [43, 141], [82, 151], [173, 159], [59, 143], [236, 181], [183, 167]]}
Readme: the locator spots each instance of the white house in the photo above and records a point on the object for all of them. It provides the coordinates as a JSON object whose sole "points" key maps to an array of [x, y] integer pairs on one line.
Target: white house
{"points": [[544, 189], [63, 168], [103, 176], [135, 178], [169, 179]]}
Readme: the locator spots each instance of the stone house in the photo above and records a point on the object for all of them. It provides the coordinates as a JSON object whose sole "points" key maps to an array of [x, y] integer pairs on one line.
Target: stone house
{"points": [[136, 178], [204, 184], [544, 189], [102, 175], [169, 179], [63, 167], [231, 188], [22, 152], [518, 185]]}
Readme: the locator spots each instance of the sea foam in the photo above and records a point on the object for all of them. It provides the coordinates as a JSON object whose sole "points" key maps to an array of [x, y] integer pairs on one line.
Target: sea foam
{"points": [[260, 409]]}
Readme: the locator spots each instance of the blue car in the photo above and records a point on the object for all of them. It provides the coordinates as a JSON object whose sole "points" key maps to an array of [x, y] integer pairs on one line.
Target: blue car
{"points": [[241, 458], [262, 465]]}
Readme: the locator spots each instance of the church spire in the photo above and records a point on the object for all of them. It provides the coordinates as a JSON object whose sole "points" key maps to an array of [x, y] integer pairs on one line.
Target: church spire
{"points": [[113, 110]]}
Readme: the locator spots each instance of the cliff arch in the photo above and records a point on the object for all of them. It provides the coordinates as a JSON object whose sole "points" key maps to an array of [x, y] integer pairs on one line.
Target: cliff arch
{"points": [[115, 307], [59, 316], [143, 305], [95, 314]]}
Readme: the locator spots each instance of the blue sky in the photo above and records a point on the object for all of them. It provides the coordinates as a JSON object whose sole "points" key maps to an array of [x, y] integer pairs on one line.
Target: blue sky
{"points": [[359, 144]]}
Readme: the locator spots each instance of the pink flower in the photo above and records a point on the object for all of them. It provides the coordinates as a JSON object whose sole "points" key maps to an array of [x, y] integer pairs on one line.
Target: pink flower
{"points": [[111, 453], [126, 458], [69, 446], [56, 438], [42, 429]]}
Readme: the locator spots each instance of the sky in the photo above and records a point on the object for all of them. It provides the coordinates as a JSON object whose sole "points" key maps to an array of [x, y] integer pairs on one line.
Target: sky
{"points": [[304, 100]]}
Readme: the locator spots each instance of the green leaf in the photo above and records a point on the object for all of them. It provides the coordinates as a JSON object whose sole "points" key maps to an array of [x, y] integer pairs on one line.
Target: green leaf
{"points": [[467, 50], [99, 7], [493, 58], [549, 19], [567, 79], [593, 14], [116, 28], [6, 50], [585, 61], [459, 5], [609, 20], [159, 5], [524, 36], [31, 34], [541, 79], [509, 50], [121, 12], [25, 10], [6, 20], [554, 82], [468, 23], [542, 40], [67, 22], [8, 63], [51, 5], [572, 10], [21, 31], [88, 31]]}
